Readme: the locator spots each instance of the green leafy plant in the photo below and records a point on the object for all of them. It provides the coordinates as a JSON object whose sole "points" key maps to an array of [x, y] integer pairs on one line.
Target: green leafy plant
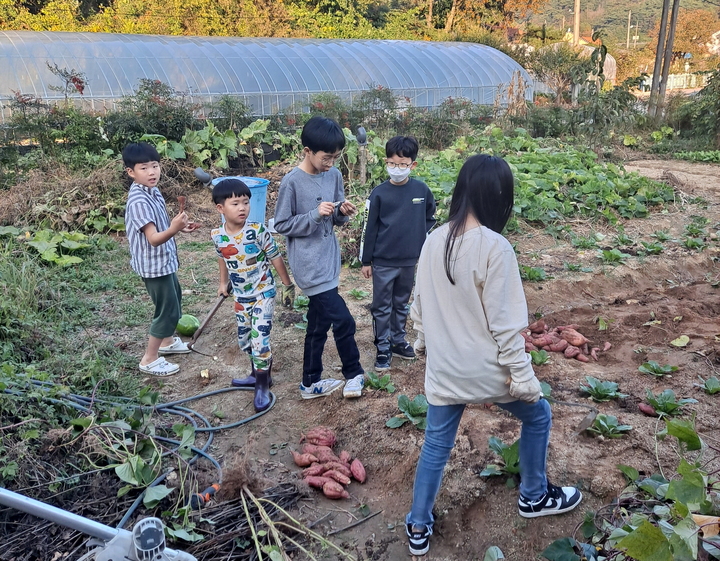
{"points": [[666, 403], [654, 368], [509, 460], [661, 235], [608, 426], [652, 248], [574, 267], [623, 239], [414, 411], [55, 247], [612, 256], [358, 293], [582, 242], [380, 382], [711, 386], [301, 303], [532, 274], [539, 357], [694, 243], [601, 390]]}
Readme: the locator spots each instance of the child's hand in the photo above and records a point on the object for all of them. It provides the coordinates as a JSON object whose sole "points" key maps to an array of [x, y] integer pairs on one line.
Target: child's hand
{"points": [[180, 222], [326, 209], [287, 295], [347, 208], [366, 271], [223, 289]]}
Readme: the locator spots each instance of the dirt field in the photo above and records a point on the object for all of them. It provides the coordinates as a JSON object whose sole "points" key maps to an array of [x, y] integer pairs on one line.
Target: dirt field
{"points": [[647, 303]]}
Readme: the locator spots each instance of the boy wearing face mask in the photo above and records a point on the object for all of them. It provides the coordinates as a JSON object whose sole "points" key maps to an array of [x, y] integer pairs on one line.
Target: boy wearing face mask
{"points": [[398, 216]]}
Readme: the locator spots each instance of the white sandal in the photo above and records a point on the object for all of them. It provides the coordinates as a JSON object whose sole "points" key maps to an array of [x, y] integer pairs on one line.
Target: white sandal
{"points": [[160, 368], [176, 348]]}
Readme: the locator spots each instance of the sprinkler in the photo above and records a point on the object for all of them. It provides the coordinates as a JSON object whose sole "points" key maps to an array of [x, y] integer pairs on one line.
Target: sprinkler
{"points": [[146, 541]]}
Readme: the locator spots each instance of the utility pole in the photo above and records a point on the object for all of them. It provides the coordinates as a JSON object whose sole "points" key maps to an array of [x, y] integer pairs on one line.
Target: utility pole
{"points": [[657, 68], [576, 26], [627, 43]]}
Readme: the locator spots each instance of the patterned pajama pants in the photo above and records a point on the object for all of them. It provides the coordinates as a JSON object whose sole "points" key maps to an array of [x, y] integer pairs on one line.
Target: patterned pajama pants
{"points": [[254, 321]]}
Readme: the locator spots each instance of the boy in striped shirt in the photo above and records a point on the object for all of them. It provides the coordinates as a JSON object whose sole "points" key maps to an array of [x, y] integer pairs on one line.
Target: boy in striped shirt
{"points": [[153, 255]]}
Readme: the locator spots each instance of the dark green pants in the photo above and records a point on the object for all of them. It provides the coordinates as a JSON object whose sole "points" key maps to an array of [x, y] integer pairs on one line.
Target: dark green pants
{"points": [[166, 294]]}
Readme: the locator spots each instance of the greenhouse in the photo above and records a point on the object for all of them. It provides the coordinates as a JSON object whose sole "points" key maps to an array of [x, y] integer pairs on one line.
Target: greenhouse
{"points": [[269, 74]]}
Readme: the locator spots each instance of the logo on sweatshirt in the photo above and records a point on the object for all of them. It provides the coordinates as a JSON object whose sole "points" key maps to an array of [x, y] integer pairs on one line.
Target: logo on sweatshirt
{"points": [[418, 200]]}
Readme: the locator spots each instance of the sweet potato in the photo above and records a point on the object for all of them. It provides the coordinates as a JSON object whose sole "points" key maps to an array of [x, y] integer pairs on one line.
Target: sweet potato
{"points": [[582, 358], [538, 327], [333, 490], [543, 340], [560, 346], [337, 476], [345, 457], [315, 469], [317, 481], [324, 456], [527, 336], [607, 346], [571, 352], [320, 436], [573, 337], [338, 466], [303, 460], [562, 328], [181, 201], [594, 352], [648, 410], [314, 449], [530, 347], [358, 470]]}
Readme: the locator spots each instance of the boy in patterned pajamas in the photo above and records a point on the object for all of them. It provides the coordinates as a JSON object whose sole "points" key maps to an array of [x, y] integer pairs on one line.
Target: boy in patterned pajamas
{"points": [[246, 250]]}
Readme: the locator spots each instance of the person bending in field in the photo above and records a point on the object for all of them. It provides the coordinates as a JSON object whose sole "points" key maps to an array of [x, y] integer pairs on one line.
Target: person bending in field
{"points": [[311, 202], [246, 250], [469, 310], [398, 216], [153, 255]]}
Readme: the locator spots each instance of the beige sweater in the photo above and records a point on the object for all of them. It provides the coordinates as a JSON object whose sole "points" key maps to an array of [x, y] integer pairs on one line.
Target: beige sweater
{"points": [[472, 328]]}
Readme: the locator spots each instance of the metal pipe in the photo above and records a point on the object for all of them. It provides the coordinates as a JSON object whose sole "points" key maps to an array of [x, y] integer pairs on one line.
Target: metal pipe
{"points": [[58, 515]]}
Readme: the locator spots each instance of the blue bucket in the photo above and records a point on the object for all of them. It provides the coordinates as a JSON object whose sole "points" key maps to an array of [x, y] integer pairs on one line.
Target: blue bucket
{"points": [[258, 191]]}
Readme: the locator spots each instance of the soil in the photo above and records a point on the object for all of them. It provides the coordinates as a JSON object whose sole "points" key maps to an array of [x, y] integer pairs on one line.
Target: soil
{"points": [[646, 303]]}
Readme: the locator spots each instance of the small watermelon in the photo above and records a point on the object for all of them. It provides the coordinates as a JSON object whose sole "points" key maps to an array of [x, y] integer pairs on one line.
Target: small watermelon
{"points": [[187, 325]]}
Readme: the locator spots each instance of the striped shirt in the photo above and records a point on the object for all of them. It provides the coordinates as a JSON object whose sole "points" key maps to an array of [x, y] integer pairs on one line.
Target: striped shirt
{"points": [[146, 205]]}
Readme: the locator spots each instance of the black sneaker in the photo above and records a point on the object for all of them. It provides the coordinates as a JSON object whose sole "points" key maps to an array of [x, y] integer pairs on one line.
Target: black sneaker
{"points": [[403, 350], [556, 500], [382, 360], [419, 539]]}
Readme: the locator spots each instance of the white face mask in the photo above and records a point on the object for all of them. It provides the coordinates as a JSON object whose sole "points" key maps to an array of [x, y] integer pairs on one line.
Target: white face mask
{"points": [[398, 175]]}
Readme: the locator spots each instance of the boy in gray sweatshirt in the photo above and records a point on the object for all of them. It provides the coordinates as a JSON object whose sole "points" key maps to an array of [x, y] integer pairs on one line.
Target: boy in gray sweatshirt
{"points": [[311, 202]]}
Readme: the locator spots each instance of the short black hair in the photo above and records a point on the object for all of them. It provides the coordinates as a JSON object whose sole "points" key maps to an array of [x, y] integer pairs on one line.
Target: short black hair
{"points": [[229, 188], [139, 153], [322, 134], [403, 146]]}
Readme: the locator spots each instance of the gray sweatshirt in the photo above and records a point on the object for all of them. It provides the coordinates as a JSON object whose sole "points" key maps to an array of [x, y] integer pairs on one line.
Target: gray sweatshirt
{"points": [[313, 250]]}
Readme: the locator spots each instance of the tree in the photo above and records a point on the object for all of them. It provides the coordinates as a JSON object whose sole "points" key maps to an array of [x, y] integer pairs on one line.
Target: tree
{"points": [[694, 30], [559, 66]]}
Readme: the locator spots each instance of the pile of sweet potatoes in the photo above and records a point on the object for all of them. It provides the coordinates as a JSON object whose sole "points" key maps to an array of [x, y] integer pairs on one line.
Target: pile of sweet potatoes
{"points": [[323, 469], [564, 339]]}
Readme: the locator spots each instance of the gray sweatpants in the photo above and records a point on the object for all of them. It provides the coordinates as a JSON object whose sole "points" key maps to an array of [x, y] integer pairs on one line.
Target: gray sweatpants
{"points": [[392, 287]]}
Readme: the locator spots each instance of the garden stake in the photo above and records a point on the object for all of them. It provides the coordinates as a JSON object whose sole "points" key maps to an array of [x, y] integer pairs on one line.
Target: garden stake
{"points": [[589, 418]]}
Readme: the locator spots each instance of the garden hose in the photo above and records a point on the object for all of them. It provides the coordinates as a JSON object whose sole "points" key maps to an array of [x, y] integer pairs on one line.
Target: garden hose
{"points": [[84, 405]]}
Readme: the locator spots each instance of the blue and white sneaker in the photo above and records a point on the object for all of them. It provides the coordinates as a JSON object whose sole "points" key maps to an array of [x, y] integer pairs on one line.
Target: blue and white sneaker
{"points": [[321, 388], [353, 386], [556, 500], [419, 538]]}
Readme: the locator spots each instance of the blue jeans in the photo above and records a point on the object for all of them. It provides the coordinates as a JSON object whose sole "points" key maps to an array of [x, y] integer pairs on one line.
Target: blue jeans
{"points": [[325, 310], [442, 425]]}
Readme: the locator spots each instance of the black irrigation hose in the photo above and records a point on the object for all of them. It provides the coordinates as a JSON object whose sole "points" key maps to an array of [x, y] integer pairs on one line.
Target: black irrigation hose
{"points": [[83, 404]]}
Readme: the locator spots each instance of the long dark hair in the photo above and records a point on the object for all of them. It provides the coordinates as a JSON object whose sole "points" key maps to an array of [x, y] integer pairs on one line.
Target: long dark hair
{"points": [[484, 188]]}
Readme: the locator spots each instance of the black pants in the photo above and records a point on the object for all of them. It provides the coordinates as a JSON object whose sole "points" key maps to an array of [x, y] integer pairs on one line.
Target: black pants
{"points": [[325, 310]]}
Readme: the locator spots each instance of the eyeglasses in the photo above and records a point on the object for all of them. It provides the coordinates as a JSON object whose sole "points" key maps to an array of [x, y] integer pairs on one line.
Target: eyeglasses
{"points": [[328, 160], [393, 165]]}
